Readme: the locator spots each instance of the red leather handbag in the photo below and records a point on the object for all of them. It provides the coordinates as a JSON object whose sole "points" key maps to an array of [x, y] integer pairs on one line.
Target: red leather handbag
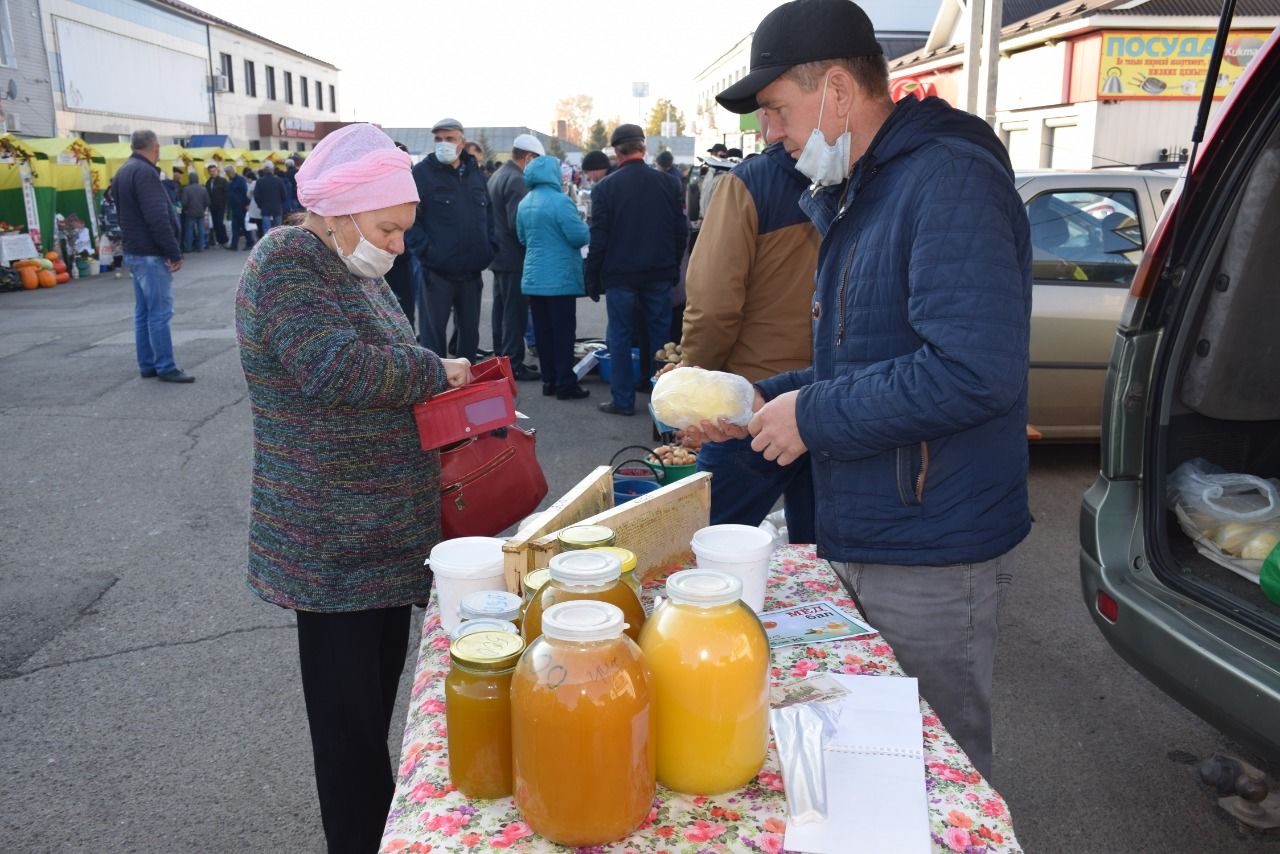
{"points": [[489, 483]]}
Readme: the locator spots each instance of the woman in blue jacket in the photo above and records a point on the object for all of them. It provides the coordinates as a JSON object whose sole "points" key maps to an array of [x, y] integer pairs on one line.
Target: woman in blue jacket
{"points": [[553, 233]]}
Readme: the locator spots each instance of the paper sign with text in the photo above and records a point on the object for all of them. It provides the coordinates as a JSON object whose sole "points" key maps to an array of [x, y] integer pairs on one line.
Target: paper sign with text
{"points": [[814, 622]]}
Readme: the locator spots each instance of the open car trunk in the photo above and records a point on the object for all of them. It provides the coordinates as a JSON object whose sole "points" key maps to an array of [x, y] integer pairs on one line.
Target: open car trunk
{"points": [[1222, 397]]}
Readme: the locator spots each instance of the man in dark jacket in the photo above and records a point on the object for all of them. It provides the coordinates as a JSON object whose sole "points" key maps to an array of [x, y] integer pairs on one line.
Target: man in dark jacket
{"points": [[454, 239], [238, 202], [914, 411], [152, 253], [510, 308], [638, 234], [290, 182], [270, 195], [217, 187], [195, 204]]}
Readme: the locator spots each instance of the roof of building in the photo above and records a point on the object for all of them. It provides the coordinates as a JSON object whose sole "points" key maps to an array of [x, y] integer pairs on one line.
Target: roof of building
{"points": [[1038, 14], [192, 11], [496, 140]]}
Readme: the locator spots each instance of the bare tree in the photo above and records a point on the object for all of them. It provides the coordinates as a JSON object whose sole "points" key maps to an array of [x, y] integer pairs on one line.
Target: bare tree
{"points": [[575, 112]]}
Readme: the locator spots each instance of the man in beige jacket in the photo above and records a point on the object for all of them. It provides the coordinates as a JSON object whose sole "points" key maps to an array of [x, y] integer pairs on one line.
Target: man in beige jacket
{"points": [[750, 290]]}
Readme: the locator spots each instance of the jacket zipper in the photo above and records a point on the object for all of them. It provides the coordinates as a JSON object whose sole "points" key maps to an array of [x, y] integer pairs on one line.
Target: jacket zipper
{"points": [[485, 469], [924, 470], [844, 283]]}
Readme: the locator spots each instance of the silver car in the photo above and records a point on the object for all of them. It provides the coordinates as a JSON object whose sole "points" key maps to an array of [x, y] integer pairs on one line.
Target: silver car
{"points": [[1088, 230]]}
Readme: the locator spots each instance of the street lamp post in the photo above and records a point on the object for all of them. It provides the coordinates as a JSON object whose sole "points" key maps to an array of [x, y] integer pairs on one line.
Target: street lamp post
{"points": [[640, 91]]}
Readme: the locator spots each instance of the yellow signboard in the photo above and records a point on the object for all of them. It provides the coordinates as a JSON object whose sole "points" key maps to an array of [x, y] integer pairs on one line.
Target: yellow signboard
{"points": [[1171, 63]]}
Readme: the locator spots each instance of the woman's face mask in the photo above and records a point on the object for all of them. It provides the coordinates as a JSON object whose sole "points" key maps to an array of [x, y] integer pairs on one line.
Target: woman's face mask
{"points": [[446, 152], [366, 260], [825, 164]]}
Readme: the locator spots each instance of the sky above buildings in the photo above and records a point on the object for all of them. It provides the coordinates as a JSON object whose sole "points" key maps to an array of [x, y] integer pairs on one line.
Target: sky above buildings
{"points": [[500, 62]]}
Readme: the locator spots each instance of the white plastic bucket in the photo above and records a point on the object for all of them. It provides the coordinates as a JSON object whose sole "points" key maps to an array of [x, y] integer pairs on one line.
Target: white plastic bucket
{"points": [[740, 550], [461, 566]]}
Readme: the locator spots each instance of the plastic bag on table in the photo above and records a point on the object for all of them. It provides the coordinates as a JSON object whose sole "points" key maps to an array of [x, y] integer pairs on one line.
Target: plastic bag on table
{"points": [[1212, 496], [799, 732], [686, 396]]}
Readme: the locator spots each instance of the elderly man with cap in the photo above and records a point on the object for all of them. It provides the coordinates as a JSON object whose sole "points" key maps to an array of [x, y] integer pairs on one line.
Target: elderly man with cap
{"points": [[344, 501], [510, 307], [454, 238], [914, 411], [638, 235]]}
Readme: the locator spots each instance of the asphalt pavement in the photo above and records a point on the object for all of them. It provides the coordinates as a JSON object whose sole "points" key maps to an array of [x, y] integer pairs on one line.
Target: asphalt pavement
{"points": [[149, 702]]}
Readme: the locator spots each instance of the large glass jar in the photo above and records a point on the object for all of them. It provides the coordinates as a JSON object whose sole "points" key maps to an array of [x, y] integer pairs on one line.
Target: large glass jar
{"points": [[628, 560], [579, 575], [710, 661], [477, 699], [531, 584], [582, 728], [585, 537]]}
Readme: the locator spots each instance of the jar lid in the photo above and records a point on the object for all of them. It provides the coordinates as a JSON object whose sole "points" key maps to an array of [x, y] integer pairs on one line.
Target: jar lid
{"points": [[591, 567], [625, 556], [487, 650], [703, 588], [586, 537], [583, 620], [535, 579], [498, 604], [483, 624]]}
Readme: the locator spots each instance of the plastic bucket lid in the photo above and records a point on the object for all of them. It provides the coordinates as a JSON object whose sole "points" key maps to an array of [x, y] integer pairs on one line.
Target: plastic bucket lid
{"points": [[733, 543], [467, 557]]}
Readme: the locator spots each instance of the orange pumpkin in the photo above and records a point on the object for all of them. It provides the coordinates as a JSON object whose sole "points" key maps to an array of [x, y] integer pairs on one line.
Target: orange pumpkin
{"points": [[53, 256], [59, 267], [47, 278], [28, 262], [62, 277], [29, 277]]}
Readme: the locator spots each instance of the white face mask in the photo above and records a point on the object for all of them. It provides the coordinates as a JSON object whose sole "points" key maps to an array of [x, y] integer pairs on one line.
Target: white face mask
{"points": [[825, 164], [365, 260], [446, 152]]}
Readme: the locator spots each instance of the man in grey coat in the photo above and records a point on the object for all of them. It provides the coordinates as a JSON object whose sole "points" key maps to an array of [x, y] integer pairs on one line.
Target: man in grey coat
{"points": [[510, 308], [195, 204]]}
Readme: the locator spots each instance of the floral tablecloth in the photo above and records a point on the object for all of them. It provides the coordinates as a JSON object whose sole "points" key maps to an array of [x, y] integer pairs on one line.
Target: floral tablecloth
{"points": [[429, 815]]}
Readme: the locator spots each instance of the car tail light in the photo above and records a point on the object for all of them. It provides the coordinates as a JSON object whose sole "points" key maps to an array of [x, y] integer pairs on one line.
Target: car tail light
{"points": [[1153, 259], [1108, 607]]}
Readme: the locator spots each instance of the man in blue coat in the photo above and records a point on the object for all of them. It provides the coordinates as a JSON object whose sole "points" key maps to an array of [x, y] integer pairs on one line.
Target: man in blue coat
{"points": [[270, 195], [914, 411], [454, 237], [638, 235], [238, 203]]}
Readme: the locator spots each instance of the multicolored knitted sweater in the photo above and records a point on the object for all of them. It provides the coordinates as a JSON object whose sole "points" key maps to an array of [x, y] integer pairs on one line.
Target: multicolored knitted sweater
{"points": [[345, 504]]}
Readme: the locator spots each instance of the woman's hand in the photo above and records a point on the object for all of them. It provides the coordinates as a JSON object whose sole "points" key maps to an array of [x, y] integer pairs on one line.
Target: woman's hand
{"points": [[457, 371]]}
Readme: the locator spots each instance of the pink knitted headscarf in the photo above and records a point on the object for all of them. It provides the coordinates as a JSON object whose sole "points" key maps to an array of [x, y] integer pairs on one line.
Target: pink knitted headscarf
{"points": [[355, 169]]}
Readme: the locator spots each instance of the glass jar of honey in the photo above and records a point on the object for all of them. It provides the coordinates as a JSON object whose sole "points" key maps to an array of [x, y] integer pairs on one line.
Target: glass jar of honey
{"points": [[582, 728], [490, 604], [585, 537], [579, 575], [531, 584], [627, 558], [477, 699], [483, 624], [710, 661]]}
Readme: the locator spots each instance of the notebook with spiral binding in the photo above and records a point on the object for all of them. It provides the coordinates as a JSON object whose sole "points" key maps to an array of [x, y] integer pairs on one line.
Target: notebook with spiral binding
{"points": [[874, 773]]}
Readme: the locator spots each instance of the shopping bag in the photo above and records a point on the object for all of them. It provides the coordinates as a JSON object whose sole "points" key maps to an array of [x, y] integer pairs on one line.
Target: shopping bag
{"points": [[489, 483]]}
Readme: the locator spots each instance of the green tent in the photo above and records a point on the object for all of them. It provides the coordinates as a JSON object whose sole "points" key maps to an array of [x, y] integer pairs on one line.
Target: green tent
{"points": [[23, 191]]}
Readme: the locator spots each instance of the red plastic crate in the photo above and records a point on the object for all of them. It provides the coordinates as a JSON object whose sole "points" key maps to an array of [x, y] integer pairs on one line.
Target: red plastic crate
{"points": [[460, 413]]}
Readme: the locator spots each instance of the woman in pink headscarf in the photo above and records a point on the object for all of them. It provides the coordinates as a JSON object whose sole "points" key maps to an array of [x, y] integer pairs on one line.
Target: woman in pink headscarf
{"points": [[345, 504]]}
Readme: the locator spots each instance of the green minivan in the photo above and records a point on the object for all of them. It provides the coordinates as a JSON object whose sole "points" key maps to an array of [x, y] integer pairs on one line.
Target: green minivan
{"points": [[1195, 373]]}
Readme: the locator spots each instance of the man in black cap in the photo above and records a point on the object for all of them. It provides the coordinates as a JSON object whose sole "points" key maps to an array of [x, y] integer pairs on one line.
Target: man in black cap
{"points": [[638, 233], [914, 411]]}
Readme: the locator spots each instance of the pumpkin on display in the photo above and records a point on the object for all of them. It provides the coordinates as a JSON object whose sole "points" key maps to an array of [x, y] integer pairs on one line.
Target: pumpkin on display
{"points": [[62, 277], [29, 277], [45, 264], [47, 278], [53, 256], [59, 267]]}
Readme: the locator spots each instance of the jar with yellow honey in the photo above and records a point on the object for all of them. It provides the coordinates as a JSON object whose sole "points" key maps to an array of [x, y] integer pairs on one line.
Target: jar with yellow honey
{"points": [[627, 558], [579, 575], [583, 728], [477, 699], [585, 537], [531, 584], [710, 661]]}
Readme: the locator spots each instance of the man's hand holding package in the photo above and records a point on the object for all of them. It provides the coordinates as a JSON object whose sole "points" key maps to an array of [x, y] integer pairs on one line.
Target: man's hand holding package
{"points": [[721, 430], [776, 433]]}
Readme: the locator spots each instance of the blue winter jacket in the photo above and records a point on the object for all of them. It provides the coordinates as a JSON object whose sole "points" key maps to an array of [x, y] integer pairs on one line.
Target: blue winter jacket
{"points": [[915, 408], [147, 225], [548, 224], [238, 193], [454, 232]]}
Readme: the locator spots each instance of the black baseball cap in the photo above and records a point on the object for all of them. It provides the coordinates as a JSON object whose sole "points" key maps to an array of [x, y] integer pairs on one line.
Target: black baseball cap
{"points": [[798, 32], [594, 160], [626, 133]]}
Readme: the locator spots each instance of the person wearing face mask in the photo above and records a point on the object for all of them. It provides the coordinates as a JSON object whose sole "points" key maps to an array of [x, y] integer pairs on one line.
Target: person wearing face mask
{"points": [[345, 504], [510, 308], [914, 410], [454, 238]]}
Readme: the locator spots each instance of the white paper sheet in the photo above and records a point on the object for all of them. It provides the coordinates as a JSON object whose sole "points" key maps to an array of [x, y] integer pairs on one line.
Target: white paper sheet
{"points": [[874, 774]]}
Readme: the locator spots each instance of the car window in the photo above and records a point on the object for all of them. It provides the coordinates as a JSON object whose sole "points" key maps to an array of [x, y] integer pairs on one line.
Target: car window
{"points": [[1085, 236]]}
